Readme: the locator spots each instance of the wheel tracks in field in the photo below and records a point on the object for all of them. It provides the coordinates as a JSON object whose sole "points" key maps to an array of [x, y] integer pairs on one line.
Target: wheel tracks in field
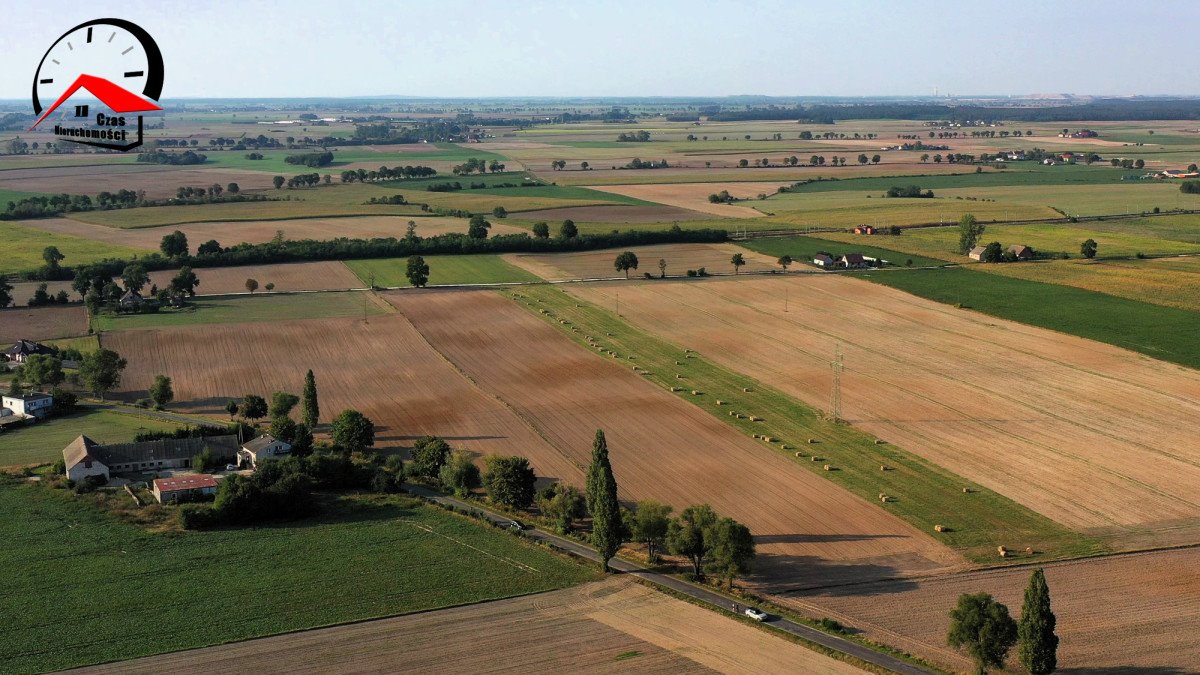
{"points": [[525, 419], [504, 559], [984, 423]]}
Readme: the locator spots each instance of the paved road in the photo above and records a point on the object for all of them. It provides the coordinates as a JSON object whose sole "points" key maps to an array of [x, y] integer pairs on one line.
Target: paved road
{"points": [[692, 590]]}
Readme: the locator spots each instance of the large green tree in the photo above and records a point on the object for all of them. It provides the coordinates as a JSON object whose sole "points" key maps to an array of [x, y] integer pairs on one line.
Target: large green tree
{"points": [[509, 481], [6, 297], [1038, 644], [253, 407], [100, 371], [417, 271], [563, 504], [174, 245], [352, 431], [309, 409], [43, 370], [689, 535], [161, 391], [282, 403], [626, 261], [568, 230], [135, 277], [648, 523], [429, 454], [459, 474], [185, 282], [1088, 249], [732, 549], [737, 261], [607, 527], [969, 231], [982, 627]]}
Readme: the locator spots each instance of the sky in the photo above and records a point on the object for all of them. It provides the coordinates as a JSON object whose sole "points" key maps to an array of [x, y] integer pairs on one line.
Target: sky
{"points": [[449, 48]]}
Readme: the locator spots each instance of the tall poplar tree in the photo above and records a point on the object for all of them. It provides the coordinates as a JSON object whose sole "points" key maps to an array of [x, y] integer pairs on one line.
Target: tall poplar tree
{"points": [[310, 409], [1038, 643], [607, 526]]}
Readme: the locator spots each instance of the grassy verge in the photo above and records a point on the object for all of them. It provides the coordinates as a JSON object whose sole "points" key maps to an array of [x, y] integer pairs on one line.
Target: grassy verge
{"points": [[44, 441], [1165, 333], [803, 248], [920, 492], [364, 557], [443, 270], [242, 309]]}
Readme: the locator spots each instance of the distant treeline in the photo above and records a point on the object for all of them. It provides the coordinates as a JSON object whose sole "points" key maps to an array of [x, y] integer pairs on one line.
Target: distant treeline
{"points": [[51, 206], [300, 250], [1100, 110], [175, 158], [311, 159]]}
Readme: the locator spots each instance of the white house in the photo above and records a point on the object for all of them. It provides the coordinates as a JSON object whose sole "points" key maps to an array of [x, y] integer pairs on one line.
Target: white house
{"points": [[23, 349], [183, 488], [81, 461], [261, 448], [29, 405], [823, 260]]}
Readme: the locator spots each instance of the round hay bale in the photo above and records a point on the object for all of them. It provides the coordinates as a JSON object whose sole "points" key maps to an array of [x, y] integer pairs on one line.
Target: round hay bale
{"points": [[720, 402], [879, 441], [733, 414], [966, 490], [695, 393], [799, 454], [746, 390], [828, 467], [786, 447], [883, 467], [815, 458], [1028, 550], [768, 439], [813, 440], [883, 498], [939, 528], [678, 376], [608, 334]]}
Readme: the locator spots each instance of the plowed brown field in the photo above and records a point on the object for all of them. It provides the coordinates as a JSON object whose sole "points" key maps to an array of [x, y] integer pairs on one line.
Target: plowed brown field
{"points": [[259, 231], [1085, 433], [599, 264], [157, 181], [1137, 613], [663, 447], [604, 627], [42, 323]]}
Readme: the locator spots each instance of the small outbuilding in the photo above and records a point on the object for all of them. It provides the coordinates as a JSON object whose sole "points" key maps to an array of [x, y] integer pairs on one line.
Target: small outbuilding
{"points": [[1021, 251], [184, 488], [977, 253], [264, 447], [824, 260]]}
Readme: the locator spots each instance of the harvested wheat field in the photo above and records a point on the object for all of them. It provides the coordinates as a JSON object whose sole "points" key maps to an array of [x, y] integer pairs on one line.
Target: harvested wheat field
{"points": [[42, 323], [603, 627], [614, 213], [1099, 439], [680, 258], [259, 231], [307, 276], [663, 447], [1136, 613], [379, 366], [694, 196]]}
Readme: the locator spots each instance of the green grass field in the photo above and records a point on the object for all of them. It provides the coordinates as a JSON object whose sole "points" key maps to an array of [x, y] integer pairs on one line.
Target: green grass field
{"points": [[443, 270], [850, 208], [44, 441], [273, 161], [1165, 333], [926, 494], [1022, 173], [803, 248], [83, 587], [22, 248], [273, 210], [244, 309]]}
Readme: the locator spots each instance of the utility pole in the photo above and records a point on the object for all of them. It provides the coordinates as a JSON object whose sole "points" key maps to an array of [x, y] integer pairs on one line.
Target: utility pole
{"points": [[835, 396]]}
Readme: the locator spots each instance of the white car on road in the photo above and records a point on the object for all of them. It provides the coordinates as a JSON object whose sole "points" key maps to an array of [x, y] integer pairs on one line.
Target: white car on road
{"points": [[755, 613]]}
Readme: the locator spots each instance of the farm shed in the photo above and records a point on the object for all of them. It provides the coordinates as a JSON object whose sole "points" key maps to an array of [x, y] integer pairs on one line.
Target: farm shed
{"points": [[823, 260], [83, 455], [183, 488], [977, 253], [853, 261], [1021, 251], [29, 405]]}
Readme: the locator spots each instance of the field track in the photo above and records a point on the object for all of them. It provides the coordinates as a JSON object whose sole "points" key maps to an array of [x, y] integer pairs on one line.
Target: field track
{"points": [[694, 196], [595, 628], [1137, 613], [42, 323], [665, 448], [1096, 438]]}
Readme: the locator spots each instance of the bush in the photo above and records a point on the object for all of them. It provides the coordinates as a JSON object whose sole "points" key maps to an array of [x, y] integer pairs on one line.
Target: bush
{"points": [[831, 625], [59, 468], [196, 516], [385, 482], [691, 273]]}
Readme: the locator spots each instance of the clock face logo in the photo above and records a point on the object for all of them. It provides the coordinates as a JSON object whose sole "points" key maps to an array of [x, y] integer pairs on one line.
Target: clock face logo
{"points": [[114, 61]]}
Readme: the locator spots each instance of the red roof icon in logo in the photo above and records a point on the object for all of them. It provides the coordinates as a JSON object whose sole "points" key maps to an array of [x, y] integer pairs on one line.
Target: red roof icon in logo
{"points": [[115, 97]]}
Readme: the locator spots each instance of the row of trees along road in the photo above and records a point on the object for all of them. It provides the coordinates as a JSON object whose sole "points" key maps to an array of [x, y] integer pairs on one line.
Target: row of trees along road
{"points": [[982, 628]]}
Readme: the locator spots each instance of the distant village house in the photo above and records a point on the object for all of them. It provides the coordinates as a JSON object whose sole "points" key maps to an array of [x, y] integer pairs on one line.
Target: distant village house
{"points": [[264, 447], [23, 349]]}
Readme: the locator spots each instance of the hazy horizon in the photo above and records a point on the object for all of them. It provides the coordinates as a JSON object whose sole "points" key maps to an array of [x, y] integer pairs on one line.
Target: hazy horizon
{"points": [[457, 50]]}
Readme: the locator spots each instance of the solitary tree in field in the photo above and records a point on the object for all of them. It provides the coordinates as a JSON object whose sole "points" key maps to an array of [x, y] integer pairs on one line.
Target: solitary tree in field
{"points": [[352, 431], [309, 409], [743, 163], [584, 166], [185, 282], [568, 229], [174, 245], [784, 261], [969, 231], [233, 188], [862, 158], [52, 256], [278, 181], [100, 371], [982, 627], [1088, 249], [270, 286], [607, 527], [648, 523], [924, 158], [252, 285], [541, 230], [1039, 645], [626, 261], [662, 268], [417, 271], [161, 391], [478, 227], [875, 159], [737, 261]]}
